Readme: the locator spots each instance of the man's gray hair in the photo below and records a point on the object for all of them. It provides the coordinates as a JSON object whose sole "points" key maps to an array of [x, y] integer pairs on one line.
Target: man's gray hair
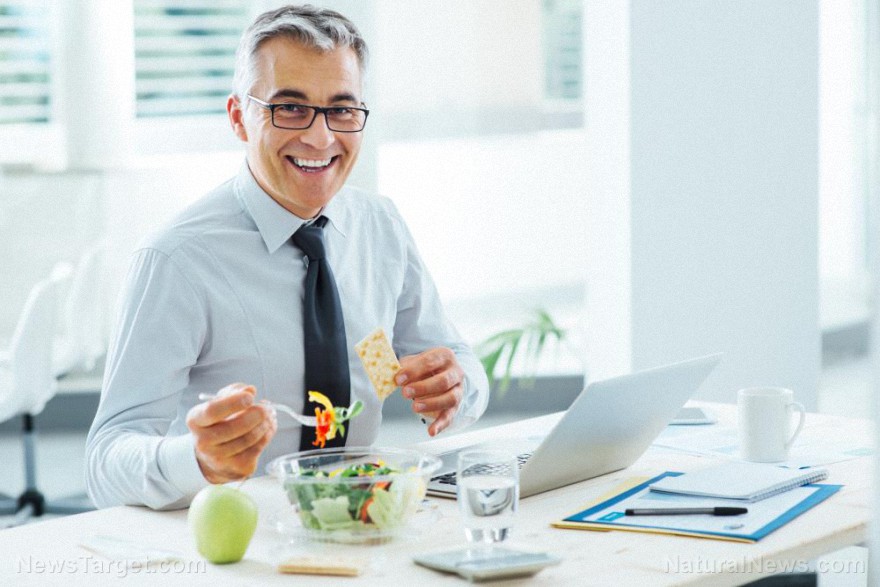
{"points": [[318, 28]]}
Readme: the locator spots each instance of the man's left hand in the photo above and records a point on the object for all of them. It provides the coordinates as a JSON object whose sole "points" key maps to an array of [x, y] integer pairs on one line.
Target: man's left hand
{"points": [[434, 381]]}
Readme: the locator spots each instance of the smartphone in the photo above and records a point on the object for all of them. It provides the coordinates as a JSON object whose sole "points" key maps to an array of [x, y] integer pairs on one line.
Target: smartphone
{"points": [[690, 416]]}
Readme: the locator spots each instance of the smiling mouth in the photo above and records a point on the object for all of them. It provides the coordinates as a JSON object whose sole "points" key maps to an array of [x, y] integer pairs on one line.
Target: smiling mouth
{"points": [[311, 165]]}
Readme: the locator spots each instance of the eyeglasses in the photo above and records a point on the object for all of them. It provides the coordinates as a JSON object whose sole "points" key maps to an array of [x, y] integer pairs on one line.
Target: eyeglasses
{"points": [[300, 117]]}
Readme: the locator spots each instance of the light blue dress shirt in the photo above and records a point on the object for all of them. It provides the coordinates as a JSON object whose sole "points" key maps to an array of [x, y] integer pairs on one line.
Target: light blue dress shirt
{"points": [[216, 298]]}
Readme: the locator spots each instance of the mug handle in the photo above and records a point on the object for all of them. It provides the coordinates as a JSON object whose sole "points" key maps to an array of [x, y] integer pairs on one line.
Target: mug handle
{"points": [[799, 407]]}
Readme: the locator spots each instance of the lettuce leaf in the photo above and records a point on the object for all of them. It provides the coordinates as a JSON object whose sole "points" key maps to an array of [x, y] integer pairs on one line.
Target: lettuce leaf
{"points": [[332, 513]]}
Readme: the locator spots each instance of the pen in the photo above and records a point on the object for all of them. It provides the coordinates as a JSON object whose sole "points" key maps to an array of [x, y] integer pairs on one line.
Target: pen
{"points": [[718, 511]]}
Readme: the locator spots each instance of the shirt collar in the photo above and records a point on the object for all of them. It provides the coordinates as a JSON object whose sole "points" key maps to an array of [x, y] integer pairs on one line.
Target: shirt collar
{"points": [[275, 223]]}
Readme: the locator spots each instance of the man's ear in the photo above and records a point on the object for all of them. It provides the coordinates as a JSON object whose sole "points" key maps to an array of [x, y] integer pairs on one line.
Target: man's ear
{"points": [[236, 117]]}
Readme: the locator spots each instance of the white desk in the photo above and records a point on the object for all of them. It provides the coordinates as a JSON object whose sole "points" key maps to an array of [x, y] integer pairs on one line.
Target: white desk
{"points": [[589, 558]]}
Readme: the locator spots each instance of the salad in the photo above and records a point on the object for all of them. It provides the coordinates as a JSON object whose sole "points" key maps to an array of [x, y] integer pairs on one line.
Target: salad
{"points": [[358, 498]]}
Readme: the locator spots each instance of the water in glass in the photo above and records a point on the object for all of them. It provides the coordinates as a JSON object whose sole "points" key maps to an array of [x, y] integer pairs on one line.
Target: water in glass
{"points": [[488, 494]]}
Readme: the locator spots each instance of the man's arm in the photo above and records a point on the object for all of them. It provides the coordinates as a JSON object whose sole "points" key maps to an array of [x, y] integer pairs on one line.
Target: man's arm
{"points": [[159, 333], [442, 372], [139, 451]]}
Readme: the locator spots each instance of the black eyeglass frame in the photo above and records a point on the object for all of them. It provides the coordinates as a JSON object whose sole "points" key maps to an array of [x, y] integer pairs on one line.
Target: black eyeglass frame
{"points": [[317, 109]]}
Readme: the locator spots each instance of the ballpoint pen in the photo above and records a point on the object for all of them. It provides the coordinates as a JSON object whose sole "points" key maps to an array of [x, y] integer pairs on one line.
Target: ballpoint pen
{"points": [[712, 511]]}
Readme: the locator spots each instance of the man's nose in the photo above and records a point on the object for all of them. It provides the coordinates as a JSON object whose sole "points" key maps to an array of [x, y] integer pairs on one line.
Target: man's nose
{"points": [[319, 134]]}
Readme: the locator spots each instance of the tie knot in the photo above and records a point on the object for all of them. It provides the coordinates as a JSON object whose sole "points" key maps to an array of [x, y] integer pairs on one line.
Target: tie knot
{"points": [[310, 239]]}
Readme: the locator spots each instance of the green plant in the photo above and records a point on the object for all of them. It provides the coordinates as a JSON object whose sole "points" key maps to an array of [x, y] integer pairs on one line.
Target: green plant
{"points": [[498, 352]]}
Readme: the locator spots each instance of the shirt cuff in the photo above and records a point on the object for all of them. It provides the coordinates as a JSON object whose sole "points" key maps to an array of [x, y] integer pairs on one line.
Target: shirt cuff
{"points": [[459, 423], [469, 410], [178, 464]]}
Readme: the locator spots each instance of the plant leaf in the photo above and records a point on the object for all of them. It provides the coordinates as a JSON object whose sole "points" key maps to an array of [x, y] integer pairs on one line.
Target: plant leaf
{"points": [[489, 362], [500, 339], [511, 355], [531, 341]]}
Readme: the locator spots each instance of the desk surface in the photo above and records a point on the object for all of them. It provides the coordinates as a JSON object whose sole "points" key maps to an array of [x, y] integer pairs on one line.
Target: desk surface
{"points": [[599, 558]]}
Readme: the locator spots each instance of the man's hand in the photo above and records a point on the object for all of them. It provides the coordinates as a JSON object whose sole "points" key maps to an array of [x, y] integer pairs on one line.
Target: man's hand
{"points": [[433, 380], [230, 433]]}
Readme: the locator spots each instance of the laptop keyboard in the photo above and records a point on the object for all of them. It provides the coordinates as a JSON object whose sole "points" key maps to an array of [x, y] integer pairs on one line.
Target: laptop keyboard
{"points": [[449, 478]]}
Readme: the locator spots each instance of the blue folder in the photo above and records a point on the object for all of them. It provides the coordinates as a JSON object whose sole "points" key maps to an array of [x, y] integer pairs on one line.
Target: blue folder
{"points": [[616, 521]]}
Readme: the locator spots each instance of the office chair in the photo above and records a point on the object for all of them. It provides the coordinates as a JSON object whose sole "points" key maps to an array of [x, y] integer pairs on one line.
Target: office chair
{"points": [[81, 338], [27, 383]]}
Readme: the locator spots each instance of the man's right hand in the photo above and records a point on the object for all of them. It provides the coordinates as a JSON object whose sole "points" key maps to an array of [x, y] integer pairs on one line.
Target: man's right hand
{"points": [[230, 433]]}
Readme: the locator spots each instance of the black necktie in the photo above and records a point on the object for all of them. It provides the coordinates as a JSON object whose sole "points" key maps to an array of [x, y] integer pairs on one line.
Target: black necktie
{"points": [[326, 355]]}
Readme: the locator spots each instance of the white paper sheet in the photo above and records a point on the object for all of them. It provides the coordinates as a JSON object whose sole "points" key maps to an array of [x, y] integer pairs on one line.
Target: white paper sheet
{"points": [[719, 441]]}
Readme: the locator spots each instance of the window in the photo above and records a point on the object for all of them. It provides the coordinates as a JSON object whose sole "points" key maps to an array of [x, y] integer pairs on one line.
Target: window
{"points": [[25, 66], [184, 55], [562, 40]]}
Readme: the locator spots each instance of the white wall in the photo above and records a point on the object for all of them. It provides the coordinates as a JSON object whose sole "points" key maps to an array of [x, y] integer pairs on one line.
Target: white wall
{"points": [[723, 175], [608, 256], [841, 176], [872, 42], [501, 224], [844, 116], [493, 214]]}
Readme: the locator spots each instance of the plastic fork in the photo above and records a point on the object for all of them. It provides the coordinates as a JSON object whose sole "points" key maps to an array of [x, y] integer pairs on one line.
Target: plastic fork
{"points": [[304, 420]]}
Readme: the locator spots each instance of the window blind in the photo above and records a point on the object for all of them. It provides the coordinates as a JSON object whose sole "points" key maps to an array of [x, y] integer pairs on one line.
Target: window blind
{"points": [[185, 54], [563, 40], [25, 66]]}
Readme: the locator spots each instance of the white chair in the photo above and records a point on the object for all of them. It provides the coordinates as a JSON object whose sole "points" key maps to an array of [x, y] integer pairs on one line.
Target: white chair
{"points": [[81, 338], [27, 383]]}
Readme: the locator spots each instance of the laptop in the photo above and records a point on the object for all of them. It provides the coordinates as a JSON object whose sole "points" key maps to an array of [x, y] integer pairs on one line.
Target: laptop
{"points": [[607, 427]]}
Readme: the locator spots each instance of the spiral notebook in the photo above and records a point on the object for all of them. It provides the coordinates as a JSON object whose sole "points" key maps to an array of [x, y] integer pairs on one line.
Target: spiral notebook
{"points": [[748, 482]]}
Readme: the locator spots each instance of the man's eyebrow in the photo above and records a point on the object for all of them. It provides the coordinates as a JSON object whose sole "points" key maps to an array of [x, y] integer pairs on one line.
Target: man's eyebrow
{"points": [[344, 97], [298, 95], [295, 94]]}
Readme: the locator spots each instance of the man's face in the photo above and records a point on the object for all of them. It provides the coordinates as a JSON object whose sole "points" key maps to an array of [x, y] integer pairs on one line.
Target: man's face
{"points": [[289, 164]]}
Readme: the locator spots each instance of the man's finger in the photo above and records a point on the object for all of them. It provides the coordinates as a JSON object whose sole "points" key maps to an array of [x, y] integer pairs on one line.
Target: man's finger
{"points": [[245, 462], [423, 365], [434, 385], [435, 403], [232, 428], [218, 409], [247, 440], [235, 388], [237, 457], [235, 467], [441, 423]]}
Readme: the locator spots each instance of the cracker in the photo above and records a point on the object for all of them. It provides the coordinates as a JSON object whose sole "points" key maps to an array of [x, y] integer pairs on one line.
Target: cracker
{"points": [[379, 361], [321, 565]]}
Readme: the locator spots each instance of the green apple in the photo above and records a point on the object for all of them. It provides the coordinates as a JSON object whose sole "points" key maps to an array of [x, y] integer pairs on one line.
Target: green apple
{"points": [[222, 520]]}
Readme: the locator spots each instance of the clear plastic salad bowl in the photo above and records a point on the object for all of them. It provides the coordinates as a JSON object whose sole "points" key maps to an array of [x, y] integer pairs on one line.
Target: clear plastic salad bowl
{"points": [[354, 494]]}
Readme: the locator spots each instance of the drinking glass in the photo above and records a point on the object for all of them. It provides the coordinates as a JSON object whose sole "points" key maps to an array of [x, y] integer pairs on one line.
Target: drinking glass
{"points": [[488, 494]]}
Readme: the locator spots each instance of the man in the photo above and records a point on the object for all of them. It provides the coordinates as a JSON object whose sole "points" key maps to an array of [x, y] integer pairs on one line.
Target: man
{"points": [[223, 302]]}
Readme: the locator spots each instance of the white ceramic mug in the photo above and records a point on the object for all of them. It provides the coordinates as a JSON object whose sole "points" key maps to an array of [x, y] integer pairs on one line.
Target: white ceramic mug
{"points": [[765, 423]]}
